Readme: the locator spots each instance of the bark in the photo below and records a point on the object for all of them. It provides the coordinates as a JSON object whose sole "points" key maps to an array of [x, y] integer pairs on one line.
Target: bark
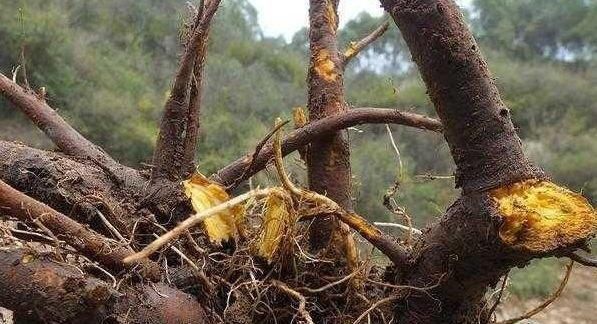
{"points": [[66, 138], [462, 253], [177, 138], [237, 171], [478, 128], [68, 186], [92, 245], [41, 290], [328, 161]]}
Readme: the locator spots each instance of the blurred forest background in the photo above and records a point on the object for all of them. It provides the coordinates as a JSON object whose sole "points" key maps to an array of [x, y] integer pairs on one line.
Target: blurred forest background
{"points": [[107, 66]]}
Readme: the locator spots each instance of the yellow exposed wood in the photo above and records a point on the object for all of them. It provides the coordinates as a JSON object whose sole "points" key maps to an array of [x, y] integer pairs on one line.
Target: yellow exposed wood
{"points": [[299, 117], [324, 66], [205, 194], [278, 219], [330, 16], [540, 216]]}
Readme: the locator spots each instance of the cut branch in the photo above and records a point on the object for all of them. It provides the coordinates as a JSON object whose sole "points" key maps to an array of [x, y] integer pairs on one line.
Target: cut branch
{"points": [[328, 160], [246, 166], [177, 138], [40, 290], [47, 291], [477, 125], [354, 48], [90, 244], [59, 131]]}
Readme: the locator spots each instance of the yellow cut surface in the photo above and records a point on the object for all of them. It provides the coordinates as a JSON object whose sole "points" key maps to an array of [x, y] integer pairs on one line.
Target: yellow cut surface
{"points": [[205, 194], [324, 66], [540, 216], [276, 222], [299, 117]]}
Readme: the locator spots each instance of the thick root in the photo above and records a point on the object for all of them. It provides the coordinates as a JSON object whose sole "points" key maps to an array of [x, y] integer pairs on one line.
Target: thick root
{"points": [[540, 216]]}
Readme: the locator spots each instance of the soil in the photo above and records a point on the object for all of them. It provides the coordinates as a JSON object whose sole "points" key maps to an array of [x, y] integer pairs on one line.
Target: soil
{"points": [[576, 305]]}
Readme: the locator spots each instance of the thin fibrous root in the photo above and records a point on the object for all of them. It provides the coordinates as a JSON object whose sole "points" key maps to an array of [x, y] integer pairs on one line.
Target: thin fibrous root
{"points": [[374, 306], [547, 302], [399, 226], [302, 311], [194, 220]]}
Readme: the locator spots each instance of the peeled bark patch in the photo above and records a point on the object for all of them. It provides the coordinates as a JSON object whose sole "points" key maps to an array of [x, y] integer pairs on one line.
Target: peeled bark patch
{"points": [[540, 216], [330, 15], [324, 66], [205, 194]]}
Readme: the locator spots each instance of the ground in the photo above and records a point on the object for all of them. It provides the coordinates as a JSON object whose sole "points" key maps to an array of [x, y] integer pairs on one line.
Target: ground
{"points": [[576, 305]]}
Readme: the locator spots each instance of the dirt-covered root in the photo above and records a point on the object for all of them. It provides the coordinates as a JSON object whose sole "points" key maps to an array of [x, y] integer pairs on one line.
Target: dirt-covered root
{"points": [[81, 190], [39, 289], [157, 303]]}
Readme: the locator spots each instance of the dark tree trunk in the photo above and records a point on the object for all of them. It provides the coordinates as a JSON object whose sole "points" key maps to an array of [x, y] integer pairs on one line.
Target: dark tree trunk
{"points": [[462, 253], [328, 161]]}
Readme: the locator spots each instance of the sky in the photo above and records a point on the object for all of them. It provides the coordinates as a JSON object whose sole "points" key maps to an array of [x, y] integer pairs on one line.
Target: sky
{"points": [[285, 17]]}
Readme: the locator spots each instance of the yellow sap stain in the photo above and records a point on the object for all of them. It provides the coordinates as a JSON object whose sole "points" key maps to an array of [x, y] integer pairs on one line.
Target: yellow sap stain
{"points": [[540, 216], [350, 50]]}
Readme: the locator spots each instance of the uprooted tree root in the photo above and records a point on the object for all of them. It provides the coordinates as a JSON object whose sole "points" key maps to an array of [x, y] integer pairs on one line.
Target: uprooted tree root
{"points": [[75, 222], [234, 284], [270, 275]]}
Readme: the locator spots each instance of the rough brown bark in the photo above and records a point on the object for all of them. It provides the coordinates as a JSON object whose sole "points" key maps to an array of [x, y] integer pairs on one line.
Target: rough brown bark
{"points": [[478, 129], [328, 160], [94, 246], [177, 138], [70, 187], [41, 290], [453, 262], [66, 138], [463, 250], [236, 172]]}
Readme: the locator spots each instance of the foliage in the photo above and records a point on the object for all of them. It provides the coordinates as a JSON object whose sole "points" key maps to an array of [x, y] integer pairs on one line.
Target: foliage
{"points": [[537, 280], [556, 29]]}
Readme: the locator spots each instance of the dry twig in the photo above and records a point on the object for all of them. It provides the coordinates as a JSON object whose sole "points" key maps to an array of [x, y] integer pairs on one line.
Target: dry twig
{"points": [[316, 129], [302, 311], [356, 47], [547, 302]]}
